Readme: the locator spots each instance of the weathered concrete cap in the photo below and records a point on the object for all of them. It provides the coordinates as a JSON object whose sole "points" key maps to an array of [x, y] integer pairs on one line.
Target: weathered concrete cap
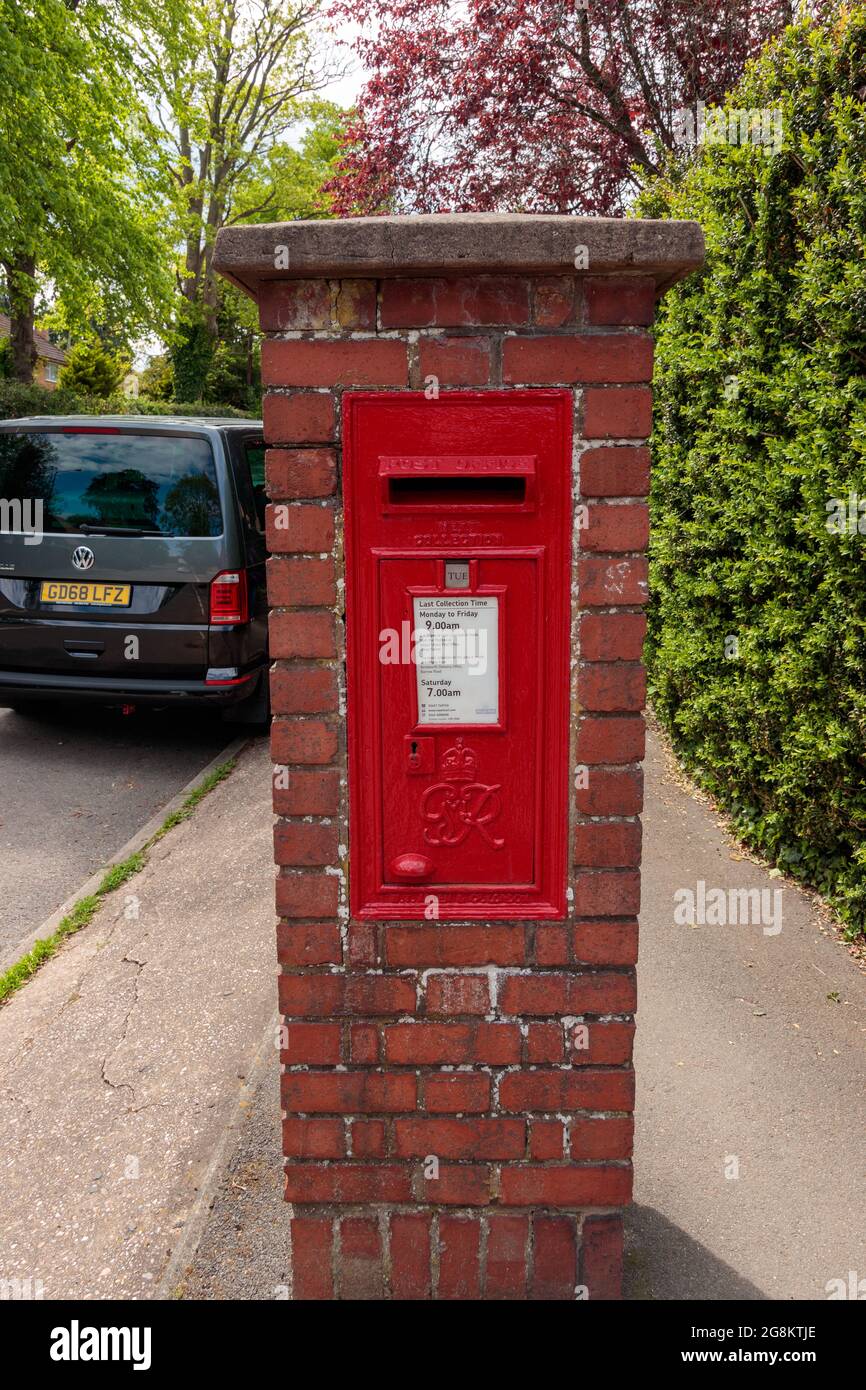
{"points": [[458, 244]]}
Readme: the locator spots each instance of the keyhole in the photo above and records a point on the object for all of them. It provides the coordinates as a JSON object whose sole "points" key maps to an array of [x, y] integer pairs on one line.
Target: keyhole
{"points": [[414, 749]]}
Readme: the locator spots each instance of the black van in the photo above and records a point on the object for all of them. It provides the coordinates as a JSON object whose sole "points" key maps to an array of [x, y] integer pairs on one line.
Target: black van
{"points": [[132, 562]]}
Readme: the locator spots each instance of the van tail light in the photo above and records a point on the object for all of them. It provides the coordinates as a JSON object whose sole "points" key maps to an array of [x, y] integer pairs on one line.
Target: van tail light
{"points": [[229, 598]]}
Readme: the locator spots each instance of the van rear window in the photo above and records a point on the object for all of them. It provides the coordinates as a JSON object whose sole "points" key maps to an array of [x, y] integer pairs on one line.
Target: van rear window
{"points": [[144, 484]]}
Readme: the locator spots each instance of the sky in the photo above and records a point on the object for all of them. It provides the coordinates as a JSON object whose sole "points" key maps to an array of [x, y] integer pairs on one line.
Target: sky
{"points": [[346, 90]]}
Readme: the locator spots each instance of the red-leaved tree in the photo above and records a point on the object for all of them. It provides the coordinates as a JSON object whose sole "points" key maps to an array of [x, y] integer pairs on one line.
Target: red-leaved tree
{"points": [[533, 105]]}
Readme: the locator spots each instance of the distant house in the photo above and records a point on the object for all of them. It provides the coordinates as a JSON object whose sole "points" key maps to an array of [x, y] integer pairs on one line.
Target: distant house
{"points": [[49, 358]]}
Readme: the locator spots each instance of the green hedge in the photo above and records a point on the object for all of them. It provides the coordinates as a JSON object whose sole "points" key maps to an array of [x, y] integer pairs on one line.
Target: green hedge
{"points": [[17, 400], [760, 423]]}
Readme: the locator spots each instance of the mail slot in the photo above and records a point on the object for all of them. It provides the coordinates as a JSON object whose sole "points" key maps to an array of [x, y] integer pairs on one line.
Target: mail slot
{"points": [[463, 481], [458, 525]]}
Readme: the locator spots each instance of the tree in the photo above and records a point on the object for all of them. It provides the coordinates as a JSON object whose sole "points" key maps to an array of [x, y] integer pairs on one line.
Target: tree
{"points": [[287, 185], [235, 77], [123, 498], [532, 105], [156, 381], [192, 507], [92, 371], [234, 376], [74, 209]]}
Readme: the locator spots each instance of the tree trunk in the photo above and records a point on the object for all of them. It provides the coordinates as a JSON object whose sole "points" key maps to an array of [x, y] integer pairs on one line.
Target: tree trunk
{"points": [[210, 293], [20, 274]]}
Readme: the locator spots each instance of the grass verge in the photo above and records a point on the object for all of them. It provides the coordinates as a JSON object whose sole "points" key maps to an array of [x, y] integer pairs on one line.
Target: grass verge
{"points": [[85, 909]]}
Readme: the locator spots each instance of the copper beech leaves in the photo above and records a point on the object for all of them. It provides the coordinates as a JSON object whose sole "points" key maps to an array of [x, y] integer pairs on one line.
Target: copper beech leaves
{"points": [[532, 105]]}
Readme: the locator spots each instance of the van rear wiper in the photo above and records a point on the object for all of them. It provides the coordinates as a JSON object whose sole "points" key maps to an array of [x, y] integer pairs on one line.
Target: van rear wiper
{"points": [[88, 530]]}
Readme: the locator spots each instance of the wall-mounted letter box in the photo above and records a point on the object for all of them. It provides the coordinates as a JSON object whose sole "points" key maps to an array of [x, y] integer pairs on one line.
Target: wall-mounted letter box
{"points": [[458, 549]]}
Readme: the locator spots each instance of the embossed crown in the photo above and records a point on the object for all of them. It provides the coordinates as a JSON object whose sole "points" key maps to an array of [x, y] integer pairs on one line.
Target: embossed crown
{"points": [[459, 764]]}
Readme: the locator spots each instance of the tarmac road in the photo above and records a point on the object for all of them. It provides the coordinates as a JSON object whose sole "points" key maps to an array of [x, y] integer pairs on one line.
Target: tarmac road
{"points": [[75, 785]]}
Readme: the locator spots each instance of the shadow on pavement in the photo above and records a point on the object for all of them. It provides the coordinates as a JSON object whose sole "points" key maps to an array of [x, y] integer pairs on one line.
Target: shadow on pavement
{"points": [[662, 1262]]}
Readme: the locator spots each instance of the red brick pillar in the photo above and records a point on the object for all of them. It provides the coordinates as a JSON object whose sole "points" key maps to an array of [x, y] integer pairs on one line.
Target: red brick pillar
{"points": [[494, 1055]]}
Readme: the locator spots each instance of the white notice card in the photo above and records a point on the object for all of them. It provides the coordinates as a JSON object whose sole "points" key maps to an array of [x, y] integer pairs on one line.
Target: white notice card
{"points": [[457, 659]]}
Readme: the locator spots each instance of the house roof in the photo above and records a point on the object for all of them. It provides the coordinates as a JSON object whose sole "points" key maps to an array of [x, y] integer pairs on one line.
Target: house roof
{"points": [[44, 346]]}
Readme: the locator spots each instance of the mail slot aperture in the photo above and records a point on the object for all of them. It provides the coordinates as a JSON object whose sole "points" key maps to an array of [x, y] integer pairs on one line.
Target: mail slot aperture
{"points": [[461, 481]]}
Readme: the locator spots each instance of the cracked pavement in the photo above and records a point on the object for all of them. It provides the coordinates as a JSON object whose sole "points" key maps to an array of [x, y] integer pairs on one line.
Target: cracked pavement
{"points": [[122, 1060]]}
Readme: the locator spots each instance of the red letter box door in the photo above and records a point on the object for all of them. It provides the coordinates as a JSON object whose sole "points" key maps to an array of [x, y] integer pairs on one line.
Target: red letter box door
{"points": [[458, 552]]}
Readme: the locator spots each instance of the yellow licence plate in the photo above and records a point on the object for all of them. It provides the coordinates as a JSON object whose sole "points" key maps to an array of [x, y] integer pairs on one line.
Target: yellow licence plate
{"points": [[101, 595]]}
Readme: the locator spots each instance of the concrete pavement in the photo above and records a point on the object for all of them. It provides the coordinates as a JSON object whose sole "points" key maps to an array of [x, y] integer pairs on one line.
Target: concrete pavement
{"points": [[122, 1061], [751, 1060], [244, 1254], [744, 1065], [77, 785], [122, 1064]]}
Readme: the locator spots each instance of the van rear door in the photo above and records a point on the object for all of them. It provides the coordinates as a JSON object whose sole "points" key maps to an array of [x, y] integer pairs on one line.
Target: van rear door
{"points": [[120, 532]]}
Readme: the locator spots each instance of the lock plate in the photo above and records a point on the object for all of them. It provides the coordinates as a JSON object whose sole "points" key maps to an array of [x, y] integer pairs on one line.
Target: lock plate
{"points": [[420, 753]]}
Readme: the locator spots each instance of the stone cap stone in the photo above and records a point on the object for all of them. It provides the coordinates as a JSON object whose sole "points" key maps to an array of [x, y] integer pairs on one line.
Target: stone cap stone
{"points": [[458, 244]]}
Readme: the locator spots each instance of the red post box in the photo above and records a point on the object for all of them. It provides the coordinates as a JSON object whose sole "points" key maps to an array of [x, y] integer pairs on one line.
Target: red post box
{"points": [[457, 410], [458, 526]]}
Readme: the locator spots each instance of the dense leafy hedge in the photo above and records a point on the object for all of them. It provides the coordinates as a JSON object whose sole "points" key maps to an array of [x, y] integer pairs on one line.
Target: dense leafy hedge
{"points": [[761, 421], [17, 400]]}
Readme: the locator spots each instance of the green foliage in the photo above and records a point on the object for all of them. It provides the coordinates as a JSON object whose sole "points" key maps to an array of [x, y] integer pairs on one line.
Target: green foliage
{"points": [[131, 131], [75, 198], [156, 380], [234, 373], [18, 400], [233, 85], [286, 182], [5, 359], [91, 371], [215, 348], [191, 353], [226, 379], [760, 423]]}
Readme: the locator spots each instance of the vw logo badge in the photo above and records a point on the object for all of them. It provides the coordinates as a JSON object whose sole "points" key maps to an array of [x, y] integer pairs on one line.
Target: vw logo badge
{"points": [[82, 557]]}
